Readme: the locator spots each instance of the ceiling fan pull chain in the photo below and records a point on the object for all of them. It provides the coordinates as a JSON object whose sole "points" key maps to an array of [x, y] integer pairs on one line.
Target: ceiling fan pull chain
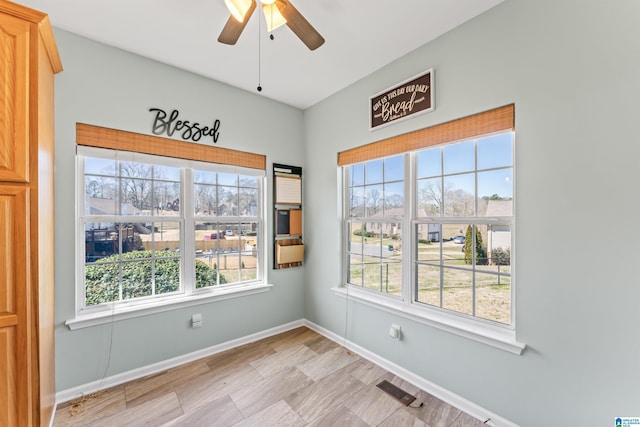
{"points": [[259, 88]]}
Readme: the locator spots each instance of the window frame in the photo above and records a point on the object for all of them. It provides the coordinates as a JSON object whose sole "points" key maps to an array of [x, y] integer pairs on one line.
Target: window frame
{"points": [[470, 128], [187, 295]]}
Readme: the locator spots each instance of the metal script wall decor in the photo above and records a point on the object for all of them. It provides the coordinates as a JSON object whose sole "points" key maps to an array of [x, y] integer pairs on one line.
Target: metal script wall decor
{"points": [[408, 98], [189, 131]]}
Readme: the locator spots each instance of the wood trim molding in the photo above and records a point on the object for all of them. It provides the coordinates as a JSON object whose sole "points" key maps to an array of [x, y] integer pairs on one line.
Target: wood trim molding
{"points": [[46, 33], [495, 120], [100, 137], [44, 27]]}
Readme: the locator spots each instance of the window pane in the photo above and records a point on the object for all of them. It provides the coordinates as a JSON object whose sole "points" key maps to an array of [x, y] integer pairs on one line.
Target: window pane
{"points": [[472, 247], [208, 245], [391, 277], [429, 196], [206, 271], [166, 198], [493, 297], [228, 201], [101, 195], [136, 196], [394, 168], [372, 239], [227, 179], [497, 241], [374, 195], [459, 157], [97, 166], [355, 270], [136, 277], [495, 193], [248, 201], [373, 172], [249, 181], [459, 193], [249, 256], [428, 236], [204, 177], [166, 173], [205, 200], [357, 174], [229, 254], [457, 290], [356, 202], [495, 151], [101, 240], [160, 236], [167, 272], [453, 250], [392, 259], [429, 163], [428, 285], [102, 282], [371, 278], [394, 199]]}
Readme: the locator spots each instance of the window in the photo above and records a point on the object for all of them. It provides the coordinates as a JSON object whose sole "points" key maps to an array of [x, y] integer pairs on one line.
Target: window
{"points": [[429, 225], [153, 230], [376, 212], [463, 227]]}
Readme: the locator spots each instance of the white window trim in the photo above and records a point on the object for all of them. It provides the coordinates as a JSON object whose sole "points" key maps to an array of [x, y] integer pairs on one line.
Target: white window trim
{"points": [[107, 313], [477, 329], [494, 335], [98, 317]]}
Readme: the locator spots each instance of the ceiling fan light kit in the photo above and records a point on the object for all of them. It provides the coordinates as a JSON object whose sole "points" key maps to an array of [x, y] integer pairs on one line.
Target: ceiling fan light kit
{"points": [[238, 8], [273, 16], [277, 13]]}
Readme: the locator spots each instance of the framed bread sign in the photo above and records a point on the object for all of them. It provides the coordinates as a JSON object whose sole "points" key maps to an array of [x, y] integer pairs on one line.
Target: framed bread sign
{"points": [[412, 96]]}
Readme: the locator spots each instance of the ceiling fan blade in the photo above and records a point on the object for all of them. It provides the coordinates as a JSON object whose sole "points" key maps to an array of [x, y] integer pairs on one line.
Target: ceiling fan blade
{"points": [[299, 25], [233, 28]]}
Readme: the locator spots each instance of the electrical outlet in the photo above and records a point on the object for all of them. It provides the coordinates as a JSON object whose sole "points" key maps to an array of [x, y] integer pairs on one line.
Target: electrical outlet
{"points": [[395, 332], [196, 320]]}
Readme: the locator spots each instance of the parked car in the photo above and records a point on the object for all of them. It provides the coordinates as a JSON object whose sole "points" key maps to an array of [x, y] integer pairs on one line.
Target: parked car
{"points": [[214, 236], [458, 239]]}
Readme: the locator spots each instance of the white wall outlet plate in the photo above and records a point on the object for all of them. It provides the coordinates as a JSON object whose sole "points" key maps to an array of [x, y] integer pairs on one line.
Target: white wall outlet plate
{"points": [[196, 320]]}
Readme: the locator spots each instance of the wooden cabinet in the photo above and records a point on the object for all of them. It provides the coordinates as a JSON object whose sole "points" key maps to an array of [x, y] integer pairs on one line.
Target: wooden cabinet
{"points": [[28, 60]]}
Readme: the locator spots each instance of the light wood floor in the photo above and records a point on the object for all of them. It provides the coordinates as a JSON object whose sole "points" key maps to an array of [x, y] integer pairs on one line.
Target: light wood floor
{"points": [[297, 378]]}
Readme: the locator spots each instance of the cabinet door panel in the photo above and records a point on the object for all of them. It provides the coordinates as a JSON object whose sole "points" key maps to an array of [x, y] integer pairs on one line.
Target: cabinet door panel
{"points": [[8, 380], [14, 289], [14, 99]]}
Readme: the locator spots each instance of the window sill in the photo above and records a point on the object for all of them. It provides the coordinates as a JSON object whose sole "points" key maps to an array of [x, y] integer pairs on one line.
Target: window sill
{"points": [[93, 317], [500, 337]]}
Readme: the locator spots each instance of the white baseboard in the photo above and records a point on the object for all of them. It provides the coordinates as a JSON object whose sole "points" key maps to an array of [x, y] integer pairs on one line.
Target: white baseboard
{"points": [[452, 399], [426, 385], [121, 378]]}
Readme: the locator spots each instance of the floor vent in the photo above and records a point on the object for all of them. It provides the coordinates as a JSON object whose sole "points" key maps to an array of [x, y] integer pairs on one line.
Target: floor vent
{"points": [[396, 392]]}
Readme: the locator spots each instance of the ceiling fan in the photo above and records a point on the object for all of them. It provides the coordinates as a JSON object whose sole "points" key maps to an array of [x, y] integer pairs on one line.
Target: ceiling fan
{"points": [[277, 13]]}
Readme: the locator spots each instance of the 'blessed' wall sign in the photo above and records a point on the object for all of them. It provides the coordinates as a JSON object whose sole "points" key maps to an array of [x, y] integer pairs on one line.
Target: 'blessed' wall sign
{"points": [[408, 98], [189, 131]]}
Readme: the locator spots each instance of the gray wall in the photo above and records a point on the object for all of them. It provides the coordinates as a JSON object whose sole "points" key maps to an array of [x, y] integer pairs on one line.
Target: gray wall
{"points": [[111, 88], [571, 68]]}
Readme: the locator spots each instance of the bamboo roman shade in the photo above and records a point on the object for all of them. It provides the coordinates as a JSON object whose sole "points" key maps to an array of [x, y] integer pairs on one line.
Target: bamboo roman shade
{"points": [[95, 136], [499, 119]]}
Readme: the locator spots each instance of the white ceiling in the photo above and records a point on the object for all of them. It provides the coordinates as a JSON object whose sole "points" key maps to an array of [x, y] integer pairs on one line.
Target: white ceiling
{"points": [[361, 37]]}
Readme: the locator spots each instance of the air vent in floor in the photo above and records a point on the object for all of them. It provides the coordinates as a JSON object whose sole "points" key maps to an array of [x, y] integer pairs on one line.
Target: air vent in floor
{"points": [[396, 392]]}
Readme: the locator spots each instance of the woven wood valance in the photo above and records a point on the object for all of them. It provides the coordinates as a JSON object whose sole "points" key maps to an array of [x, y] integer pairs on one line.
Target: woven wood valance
{"points": [[95, 136], [499, 119]]}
